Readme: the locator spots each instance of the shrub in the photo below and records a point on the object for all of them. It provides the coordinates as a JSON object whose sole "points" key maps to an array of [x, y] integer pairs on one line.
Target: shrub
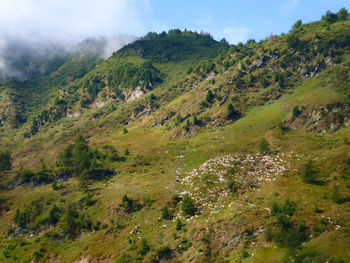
{"points": [[125, 131], [127, 151], [188, 207]]}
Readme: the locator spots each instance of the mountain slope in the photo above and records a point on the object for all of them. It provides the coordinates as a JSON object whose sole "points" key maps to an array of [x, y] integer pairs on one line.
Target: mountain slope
{"points": [[240, 154]]}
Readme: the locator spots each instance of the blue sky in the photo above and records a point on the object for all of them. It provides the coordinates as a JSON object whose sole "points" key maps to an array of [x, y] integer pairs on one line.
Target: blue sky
{"points": [[239, 20], [235, 20]]}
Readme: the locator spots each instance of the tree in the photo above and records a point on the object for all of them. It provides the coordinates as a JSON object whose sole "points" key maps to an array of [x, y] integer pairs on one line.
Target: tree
{"points": [[210, 97], [126, 202], [342, 14], [54, 215], [294, 42], [187, 125], [296, 111], [125, 131], [70, 224], [54, 185], [297, 25], [196, 121], [330, 17], [5, 161], [188, 207], [178, 224], [264, 146], [309, 174], [231, 113], [81, 155], [335, 194], [165, 213], [144, 247]]}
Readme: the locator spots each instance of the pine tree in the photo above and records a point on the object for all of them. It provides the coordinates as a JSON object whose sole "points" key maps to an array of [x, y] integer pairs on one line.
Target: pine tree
{"points": [[5, 162], [188, 207], [264, 146], [210, 97]]}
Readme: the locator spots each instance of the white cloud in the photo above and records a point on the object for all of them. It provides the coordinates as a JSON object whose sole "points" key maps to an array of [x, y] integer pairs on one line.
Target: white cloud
{"points": [[67, 19]]}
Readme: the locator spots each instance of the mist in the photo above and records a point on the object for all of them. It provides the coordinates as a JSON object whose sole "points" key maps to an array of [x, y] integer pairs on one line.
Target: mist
{"points": [[31, 30]]}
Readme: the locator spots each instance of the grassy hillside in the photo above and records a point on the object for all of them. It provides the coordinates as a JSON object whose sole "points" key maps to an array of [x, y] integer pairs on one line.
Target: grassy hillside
{"points": [[212, 154]]}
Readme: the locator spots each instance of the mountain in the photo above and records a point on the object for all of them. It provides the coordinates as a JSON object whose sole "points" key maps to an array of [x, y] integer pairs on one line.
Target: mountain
{"points": [[180, 148]]}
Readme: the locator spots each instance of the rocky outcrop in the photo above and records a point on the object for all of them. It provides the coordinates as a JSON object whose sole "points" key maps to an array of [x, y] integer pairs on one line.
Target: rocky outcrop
{"points": [[323, 119]]}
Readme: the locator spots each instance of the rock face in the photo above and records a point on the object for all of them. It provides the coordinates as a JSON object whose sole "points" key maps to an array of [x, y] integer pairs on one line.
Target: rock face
{"points": [[324, 119]]}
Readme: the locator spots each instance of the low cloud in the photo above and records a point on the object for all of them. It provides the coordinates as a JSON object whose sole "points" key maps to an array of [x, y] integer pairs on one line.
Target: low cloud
{"points": [[44, 27]]}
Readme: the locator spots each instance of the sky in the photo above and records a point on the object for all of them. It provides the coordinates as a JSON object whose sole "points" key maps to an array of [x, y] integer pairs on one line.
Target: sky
{"points": [[67, 20]]}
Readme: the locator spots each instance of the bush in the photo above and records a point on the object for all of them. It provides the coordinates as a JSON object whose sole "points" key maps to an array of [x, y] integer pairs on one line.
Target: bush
{"points": [[188, 207], [125, 131]]}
